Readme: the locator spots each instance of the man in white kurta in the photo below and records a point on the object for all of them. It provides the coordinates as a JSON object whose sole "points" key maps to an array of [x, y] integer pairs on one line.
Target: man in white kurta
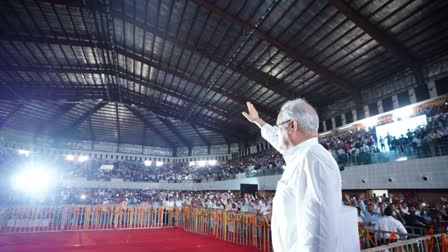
{"points": [[307, 207]]}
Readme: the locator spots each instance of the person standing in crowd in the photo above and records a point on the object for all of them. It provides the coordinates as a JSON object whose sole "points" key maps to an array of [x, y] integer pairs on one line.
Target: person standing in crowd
{"points": [[369, 213], [389, 224], [308, 202], [414, 220]]}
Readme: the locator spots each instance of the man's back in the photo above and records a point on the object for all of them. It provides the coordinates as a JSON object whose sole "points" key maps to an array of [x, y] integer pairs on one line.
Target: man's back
{"points": [[307, 201], [389, 224]]}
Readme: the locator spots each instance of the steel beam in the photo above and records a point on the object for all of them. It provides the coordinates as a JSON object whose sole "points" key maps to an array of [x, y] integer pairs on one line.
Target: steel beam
{"points": [[204, 140], [260, 79], [124, 76], [49, 123], [149, 125], [258, 76], [380, 36], [11, 114], [176, 132], [323, 72], [87, 115], [118, 126]]}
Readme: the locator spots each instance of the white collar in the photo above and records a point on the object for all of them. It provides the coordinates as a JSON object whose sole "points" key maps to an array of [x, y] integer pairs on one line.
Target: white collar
{"points": [[292, 152]]}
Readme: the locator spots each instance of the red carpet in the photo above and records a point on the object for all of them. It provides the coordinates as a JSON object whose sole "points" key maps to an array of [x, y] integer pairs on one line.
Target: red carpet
{"points": [[164, 239]]}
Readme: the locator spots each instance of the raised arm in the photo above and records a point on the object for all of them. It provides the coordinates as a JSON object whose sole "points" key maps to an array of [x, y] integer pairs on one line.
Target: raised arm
{"points": [[267, 131]]}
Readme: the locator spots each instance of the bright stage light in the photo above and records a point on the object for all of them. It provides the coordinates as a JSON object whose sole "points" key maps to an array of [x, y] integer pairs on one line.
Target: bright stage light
{"points": [[192, 163], [24, 152], [69, 157], [83, 158], [370, 122], [201, 163], [32, 180], [147, 162], [212, 162], [159, 163], [83, 197], [403, 113]]}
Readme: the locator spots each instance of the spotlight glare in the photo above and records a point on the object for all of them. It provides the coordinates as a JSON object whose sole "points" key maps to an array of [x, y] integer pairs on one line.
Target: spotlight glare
{"points": [[26, 153], [34, 180], [147, 162], [159, 163], [69, 157], [83, 196], [212, 162], [83, 158], [192, 163], [370, 122], [403, 113], [201, 163]]}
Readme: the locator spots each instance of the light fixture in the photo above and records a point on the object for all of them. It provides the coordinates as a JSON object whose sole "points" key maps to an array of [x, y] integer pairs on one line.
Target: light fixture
{"points": [[24, 152], [403, 113], [147, 162], [32, 180], [369, 122]]}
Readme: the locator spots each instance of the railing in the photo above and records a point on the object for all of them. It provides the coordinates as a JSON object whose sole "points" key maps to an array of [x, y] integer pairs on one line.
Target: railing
{"points": [[370, 238], [73, 218], [436, 148], [243, 228], [428, 243]]}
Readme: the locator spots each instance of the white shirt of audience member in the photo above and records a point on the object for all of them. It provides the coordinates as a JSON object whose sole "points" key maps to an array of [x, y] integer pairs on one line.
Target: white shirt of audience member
{"points": [[265, 209], [405, 210], [389, 223], [209, 204], [168, 205]]}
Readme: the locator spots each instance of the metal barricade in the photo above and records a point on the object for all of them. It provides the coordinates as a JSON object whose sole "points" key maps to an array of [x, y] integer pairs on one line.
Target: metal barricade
{"points": [[77, 218], [242, 228], [429, 243]]}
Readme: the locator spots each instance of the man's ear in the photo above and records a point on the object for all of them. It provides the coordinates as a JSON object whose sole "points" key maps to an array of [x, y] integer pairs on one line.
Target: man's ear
{"points": [[294, 125]]}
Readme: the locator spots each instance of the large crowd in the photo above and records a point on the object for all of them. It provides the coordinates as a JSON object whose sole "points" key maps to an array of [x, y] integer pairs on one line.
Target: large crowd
{"points": [[255, 203], [347, 147], [360, 145], [355, 147], [392, 211], [407, 210]]}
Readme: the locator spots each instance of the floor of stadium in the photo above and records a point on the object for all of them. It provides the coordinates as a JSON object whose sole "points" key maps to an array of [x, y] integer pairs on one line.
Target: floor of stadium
{"points": [[163, 239]]}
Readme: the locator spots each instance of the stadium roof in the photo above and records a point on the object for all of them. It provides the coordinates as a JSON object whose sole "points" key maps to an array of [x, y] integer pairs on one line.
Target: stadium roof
{"points": [[177, 73]]}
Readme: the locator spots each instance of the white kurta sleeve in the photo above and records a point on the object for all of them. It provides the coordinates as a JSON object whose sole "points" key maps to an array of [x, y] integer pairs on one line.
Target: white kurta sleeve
{"points": [[269, 134]]}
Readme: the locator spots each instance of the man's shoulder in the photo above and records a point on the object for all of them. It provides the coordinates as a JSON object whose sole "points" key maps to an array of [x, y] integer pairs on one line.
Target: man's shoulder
{"points": [[397, 222], [318, 154]]}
